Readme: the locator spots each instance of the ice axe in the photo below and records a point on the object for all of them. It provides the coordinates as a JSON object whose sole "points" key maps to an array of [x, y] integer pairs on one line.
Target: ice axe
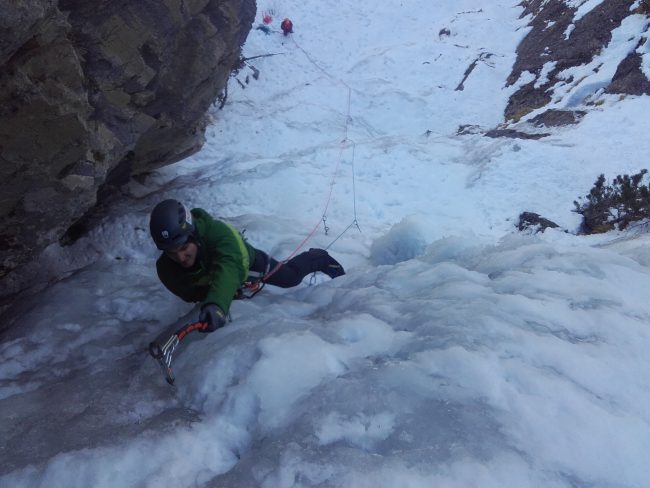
{"points": [[164, 353]]}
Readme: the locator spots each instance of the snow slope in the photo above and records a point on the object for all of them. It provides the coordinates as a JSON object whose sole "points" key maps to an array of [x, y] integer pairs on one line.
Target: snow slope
{"points": [[455, 352]]}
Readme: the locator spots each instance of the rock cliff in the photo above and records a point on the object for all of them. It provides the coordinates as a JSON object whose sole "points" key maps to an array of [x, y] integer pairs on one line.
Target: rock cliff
{"points": [[92, 93]]}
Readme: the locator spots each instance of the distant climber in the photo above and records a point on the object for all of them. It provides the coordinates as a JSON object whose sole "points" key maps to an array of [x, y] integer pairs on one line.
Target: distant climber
{"points": [[287, 27]]}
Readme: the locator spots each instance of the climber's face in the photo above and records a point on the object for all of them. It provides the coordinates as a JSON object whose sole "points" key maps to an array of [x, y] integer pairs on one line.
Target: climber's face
{"points": [[184, 255]]}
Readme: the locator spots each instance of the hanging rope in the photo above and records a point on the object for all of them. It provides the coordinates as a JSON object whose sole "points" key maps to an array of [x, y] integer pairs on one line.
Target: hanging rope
{"points": [[355, 222], [343, 146], [344, 143]]}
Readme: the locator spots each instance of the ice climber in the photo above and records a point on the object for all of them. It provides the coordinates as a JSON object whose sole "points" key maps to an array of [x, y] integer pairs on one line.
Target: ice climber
{"points": [[207, 260]]}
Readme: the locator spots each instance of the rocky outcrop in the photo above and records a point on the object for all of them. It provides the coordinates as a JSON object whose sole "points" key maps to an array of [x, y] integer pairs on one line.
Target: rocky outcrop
{"points": [[513, 134], [96, 92], [561, 37], [555, 118], [532, 222]]}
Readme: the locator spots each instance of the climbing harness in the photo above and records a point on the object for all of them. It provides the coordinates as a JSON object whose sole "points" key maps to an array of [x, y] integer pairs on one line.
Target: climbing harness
{"points": [[249, 289]]}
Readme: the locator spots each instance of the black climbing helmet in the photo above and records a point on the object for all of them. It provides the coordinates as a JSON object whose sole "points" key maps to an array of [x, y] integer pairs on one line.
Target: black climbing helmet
{"points": [[170, 225]]}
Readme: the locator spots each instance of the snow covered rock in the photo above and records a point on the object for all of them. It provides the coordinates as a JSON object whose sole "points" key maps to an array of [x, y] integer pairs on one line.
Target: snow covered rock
{"points": [[535, 222], [560, 63]]}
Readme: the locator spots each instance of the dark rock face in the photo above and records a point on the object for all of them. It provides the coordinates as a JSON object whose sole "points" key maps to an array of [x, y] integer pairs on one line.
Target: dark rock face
{"points": [[554, 118], [629, 78], [513, 134], [547, 42], [534, 222], [96, 92]]}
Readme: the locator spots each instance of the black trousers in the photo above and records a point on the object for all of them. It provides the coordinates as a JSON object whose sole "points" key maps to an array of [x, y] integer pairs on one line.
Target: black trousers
{"points": [[290, 273]]}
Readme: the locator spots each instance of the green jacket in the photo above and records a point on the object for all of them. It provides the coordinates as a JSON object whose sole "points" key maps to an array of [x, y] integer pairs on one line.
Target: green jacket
{"points": [[222, 266]]}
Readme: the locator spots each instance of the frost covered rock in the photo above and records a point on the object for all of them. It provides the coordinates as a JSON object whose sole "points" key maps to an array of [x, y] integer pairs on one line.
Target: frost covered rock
{"points": [[95, 92]]}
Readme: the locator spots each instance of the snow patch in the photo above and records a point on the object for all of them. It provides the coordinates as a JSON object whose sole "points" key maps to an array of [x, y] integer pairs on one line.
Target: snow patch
{"points": [[542, 79], [569, 30], [583, 7]]}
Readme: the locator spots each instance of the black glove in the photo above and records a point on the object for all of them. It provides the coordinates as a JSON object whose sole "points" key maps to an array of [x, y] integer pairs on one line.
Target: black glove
{"points": [[214, 317]]}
